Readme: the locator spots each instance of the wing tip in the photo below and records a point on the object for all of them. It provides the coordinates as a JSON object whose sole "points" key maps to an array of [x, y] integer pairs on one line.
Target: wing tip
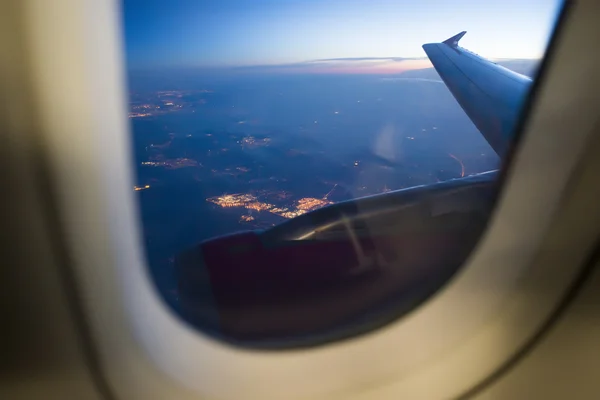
{"points": [[453, 41]]}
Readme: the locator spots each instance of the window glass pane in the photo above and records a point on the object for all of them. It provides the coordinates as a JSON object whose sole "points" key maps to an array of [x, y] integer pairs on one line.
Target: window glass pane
{"points": [[310, 170]]}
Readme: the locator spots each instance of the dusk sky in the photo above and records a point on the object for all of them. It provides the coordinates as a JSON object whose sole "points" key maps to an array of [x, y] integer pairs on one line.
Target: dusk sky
{"points": [[300, 34]]}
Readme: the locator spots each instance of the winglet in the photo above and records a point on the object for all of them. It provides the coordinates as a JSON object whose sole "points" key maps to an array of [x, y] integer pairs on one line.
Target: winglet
{"points": [[453, 41]]}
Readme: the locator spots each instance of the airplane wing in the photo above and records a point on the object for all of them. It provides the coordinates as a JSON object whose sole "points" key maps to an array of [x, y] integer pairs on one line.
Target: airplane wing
{"points": [[491, 95]]}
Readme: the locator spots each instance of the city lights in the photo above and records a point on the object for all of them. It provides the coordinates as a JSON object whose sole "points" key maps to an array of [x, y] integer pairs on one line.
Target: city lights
{"points": [[251, 202]]}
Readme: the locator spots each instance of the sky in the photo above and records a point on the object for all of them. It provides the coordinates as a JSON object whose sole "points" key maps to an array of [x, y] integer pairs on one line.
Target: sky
{"points": [[345, 36]]}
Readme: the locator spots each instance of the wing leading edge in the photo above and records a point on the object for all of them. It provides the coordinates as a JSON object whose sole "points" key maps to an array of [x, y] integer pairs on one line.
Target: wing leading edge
{"points": [[491, 95]]}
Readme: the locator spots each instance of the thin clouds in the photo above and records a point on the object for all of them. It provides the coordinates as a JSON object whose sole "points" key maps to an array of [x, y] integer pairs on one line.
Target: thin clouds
{"points": [[396, 59], [352, 65], [412, 79]]}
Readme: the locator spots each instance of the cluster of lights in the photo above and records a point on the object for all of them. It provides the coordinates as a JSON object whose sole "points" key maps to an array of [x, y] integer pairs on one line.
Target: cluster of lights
{"points": [[259, 206], [292, 214], [141, 111], [138, 188], [172, 164], [250, 202], [166, 99], [232, 200], [154, 163], [309, 204], [252, 141], [139, 115]]}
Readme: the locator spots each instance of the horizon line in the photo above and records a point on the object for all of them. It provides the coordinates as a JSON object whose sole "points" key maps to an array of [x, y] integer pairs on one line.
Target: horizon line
{"points": [[367, 65]]}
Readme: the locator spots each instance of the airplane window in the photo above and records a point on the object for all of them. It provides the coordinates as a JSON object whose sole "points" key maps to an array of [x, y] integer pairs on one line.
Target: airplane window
{"points": [[307, 171]]}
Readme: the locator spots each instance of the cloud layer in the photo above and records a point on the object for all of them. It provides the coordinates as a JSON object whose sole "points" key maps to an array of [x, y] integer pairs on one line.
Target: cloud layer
{"points": [[358, 65]]}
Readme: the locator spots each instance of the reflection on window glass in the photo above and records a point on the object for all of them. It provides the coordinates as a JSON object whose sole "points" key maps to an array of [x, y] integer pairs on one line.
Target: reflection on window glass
{"points": [[309, 170]]}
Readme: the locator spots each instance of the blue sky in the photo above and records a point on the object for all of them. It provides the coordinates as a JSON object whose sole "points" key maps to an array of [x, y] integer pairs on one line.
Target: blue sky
{"points": [[219, 33]]}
